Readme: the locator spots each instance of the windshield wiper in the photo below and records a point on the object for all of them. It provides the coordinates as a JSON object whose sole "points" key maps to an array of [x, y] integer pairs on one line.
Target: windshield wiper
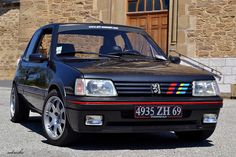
{"points": [[121, 55], [126, 52], [117, 55], [159, 57], [109, 56]]}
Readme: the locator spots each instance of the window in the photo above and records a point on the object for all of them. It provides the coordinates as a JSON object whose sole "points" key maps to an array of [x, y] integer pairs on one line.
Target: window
{"points": [[147, 5], [93, 44], [44, 45], [132, 5], [157, 5], [165, 4], [83, 46], [140, 44], [141, 5], [31, 46], [120, 42]]}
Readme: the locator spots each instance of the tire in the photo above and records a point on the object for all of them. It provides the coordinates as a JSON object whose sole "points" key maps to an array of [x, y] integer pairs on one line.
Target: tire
{"points": [[194, 135], [19, 110], [55, 124]]}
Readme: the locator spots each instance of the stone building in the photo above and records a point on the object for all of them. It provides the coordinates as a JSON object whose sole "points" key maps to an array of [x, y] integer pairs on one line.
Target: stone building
{"points": [[202, 29], [9, 26]]}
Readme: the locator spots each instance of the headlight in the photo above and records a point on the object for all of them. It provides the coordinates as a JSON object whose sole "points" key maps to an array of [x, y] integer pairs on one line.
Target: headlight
{"points": [[205, 88], [93, 87]]}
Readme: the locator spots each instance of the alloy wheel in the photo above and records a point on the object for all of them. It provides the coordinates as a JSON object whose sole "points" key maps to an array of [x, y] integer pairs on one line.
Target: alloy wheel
{"points": [[54, 117], [13, 102]]}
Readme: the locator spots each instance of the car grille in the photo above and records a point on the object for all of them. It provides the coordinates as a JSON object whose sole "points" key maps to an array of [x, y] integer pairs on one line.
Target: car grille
{"points": [[145, 88]]}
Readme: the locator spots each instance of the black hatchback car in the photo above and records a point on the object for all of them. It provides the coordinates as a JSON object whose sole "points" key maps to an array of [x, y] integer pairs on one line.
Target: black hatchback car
{"points": [[99, 78]]}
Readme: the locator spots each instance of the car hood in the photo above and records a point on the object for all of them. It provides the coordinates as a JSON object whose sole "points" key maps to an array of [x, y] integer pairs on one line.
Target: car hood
{"points": [[136, 70]]}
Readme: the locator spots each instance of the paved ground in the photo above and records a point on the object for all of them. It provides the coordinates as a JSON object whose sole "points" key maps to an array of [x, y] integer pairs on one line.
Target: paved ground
{"points": [[26, 140], [5, 83]]}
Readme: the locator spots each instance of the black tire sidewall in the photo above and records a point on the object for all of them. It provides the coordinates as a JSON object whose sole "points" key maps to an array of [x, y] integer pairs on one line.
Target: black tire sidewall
{"points": [[21, 109], [17, 107]]}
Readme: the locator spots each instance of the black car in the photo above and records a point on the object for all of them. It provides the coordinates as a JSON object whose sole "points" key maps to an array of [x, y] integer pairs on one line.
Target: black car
{"points": [[100, 78]]}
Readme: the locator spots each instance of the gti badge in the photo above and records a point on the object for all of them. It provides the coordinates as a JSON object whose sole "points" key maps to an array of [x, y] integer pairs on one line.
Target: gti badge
{"points": [[156, 88]]}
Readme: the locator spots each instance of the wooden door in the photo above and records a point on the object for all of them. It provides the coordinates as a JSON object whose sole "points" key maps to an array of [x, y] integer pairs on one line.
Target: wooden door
{"points": [[153, 23]]}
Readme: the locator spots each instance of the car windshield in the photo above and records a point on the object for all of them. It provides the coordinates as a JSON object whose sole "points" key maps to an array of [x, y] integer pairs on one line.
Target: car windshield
{"points": [[97, 43]]}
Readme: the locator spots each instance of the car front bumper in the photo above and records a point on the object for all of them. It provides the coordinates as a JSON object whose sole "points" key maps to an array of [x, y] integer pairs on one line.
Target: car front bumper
{"points": [[118, 114]]}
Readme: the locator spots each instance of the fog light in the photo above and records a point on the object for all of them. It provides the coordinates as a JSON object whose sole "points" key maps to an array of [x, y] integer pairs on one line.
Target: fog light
{"points": [[210, 118], [93, 120]]}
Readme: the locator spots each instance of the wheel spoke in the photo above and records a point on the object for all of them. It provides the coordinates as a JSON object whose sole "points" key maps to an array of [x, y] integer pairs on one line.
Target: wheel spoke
{"points": [[50, 125], [53, 107], [60, 129], [63, 121], [55, 130], [62, 110], [58, 106], [49, 114]]}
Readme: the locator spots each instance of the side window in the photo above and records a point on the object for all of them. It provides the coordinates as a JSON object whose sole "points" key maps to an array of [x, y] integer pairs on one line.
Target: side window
{"points": [[120, 41], [45, 43], [32, 45]]}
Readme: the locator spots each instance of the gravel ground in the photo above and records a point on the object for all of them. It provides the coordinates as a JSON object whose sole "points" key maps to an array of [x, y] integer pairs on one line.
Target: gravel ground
{"points": [[26, 139]]}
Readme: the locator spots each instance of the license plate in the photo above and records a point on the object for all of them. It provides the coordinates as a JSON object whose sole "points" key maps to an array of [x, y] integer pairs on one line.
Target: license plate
{"points": [[163, 112]]}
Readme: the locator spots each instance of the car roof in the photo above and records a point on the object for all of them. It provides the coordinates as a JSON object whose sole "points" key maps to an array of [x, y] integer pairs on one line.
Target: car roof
{"points": [[82, 26]]}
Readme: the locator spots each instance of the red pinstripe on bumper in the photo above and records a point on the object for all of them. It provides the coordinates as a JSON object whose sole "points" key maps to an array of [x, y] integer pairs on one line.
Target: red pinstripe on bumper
{"points": [[143, 103]]}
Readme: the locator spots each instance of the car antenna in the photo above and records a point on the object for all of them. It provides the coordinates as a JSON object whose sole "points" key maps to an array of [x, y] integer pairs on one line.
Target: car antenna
{"points": [[198, 65], [94, 18]]}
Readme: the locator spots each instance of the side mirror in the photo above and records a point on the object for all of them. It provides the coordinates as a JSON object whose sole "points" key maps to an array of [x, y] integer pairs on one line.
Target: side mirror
{"points": [[37, 57], [174, 59]]}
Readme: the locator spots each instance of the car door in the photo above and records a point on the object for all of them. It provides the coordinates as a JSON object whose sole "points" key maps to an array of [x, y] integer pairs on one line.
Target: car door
{"points": [[22, 69], [37, 72]]}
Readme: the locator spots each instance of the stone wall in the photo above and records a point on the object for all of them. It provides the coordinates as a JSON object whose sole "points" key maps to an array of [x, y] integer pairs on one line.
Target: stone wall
{"points": [[36, 13], [9, 26], [207, 32], [207, 28]]}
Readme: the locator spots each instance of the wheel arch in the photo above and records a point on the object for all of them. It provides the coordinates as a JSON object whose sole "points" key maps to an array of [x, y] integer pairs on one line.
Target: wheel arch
{"points": [[57, 88], [14, 84], [18, 89]]}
